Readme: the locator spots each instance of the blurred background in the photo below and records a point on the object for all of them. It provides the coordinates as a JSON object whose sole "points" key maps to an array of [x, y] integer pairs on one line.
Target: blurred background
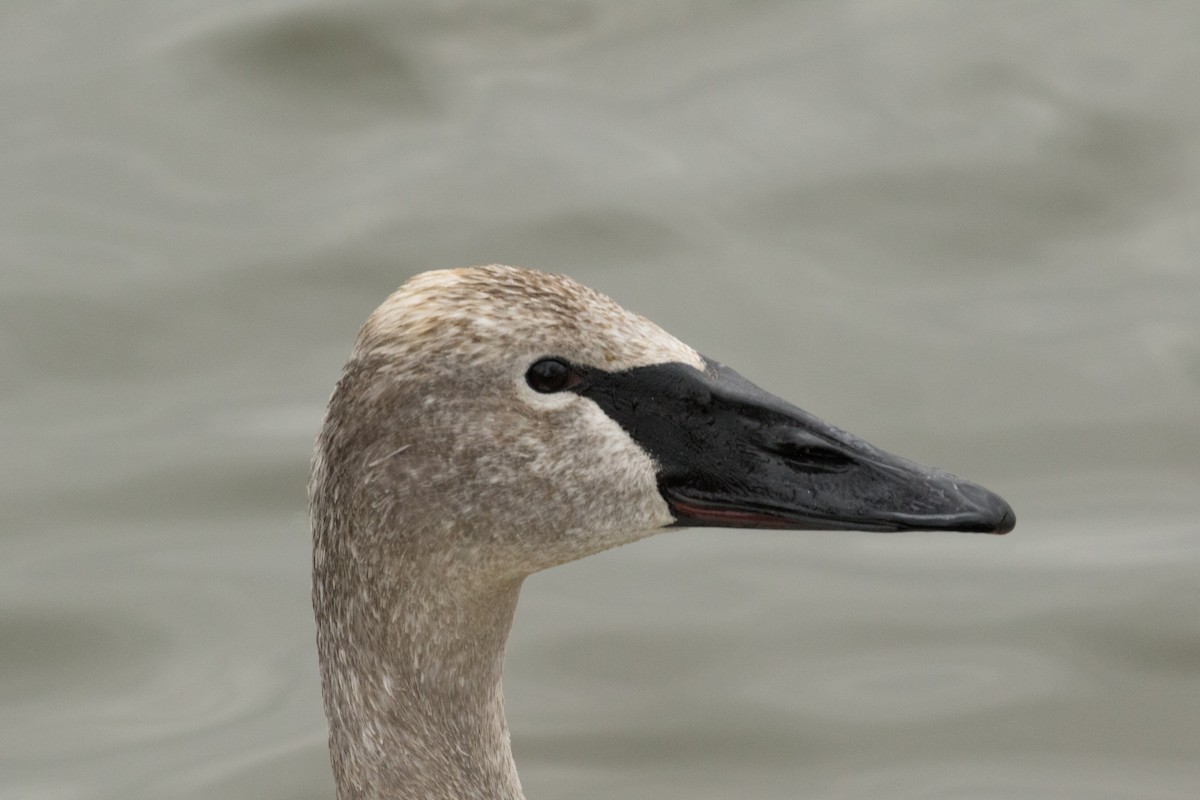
{"points": [[967, 232]]}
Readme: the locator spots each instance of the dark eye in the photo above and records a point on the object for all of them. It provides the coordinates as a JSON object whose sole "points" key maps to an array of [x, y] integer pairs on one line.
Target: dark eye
{"points": [[551, 375]]}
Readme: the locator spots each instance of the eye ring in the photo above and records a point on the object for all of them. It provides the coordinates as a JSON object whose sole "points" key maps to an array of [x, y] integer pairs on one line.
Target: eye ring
{"points": [[550, 375]]}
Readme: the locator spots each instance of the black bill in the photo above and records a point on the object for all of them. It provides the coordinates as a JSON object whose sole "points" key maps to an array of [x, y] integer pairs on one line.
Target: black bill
{"points": [[732, 455]]}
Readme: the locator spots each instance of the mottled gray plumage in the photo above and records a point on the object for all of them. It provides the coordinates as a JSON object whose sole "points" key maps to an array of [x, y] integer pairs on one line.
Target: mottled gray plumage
{"points": [[440, 481]]}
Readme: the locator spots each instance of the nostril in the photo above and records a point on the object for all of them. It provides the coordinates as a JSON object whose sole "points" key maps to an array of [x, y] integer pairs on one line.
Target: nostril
{"points": [[805, 451], [824, 456]]}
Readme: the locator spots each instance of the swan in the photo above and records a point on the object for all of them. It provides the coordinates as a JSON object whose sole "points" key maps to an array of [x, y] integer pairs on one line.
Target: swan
{"points": [[495, 421]]}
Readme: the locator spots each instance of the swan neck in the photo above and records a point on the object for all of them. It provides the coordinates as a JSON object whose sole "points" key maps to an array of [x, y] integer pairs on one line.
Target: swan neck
{"points": [[410, 670]]}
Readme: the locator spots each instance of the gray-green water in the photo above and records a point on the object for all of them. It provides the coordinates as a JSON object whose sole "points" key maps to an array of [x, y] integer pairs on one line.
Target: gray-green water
{"points": [[967, 232]]}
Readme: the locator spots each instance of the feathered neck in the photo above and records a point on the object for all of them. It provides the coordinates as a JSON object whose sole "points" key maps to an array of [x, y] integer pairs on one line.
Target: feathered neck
{"points": [[410, 672]]}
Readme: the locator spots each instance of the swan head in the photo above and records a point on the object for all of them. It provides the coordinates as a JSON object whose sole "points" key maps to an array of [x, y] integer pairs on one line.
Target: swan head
{"points": [[496, 421]]}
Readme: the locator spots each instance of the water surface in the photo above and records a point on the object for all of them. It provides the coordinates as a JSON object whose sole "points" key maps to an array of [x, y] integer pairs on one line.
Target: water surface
{"points": [[968, 233]]}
